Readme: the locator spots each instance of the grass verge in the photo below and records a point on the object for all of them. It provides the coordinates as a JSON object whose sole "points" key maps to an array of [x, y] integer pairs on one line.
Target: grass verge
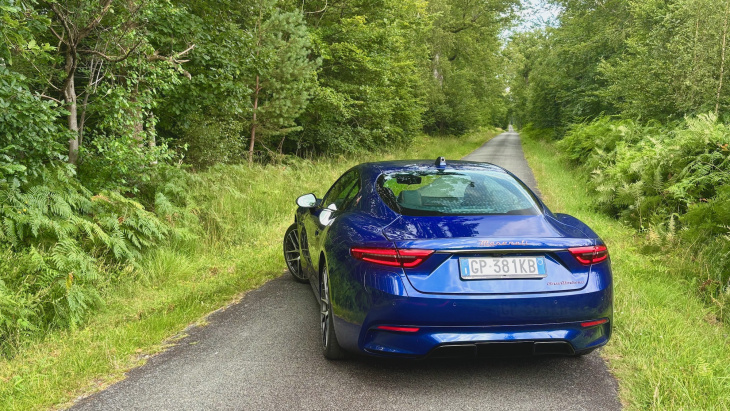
{"points": [[239, 248], [668, 350]]}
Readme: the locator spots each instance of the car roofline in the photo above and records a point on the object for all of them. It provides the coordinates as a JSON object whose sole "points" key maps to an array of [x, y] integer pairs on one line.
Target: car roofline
{"points": [[395, 165]]}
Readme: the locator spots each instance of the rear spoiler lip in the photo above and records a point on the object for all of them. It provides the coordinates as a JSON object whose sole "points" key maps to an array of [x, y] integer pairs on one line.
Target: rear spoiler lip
{"points": [[501, 250]]}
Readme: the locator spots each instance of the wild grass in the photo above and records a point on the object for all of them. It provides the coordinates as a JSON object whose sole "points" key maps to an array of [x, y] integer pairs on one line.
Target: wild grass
{"points": [[668, 351], [242, 212]]}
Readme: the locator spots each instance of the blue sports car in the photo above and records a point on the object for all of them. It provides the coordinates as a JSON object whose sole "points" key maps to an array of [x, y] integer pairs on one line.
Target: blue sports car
{"points": [[416, 259]]}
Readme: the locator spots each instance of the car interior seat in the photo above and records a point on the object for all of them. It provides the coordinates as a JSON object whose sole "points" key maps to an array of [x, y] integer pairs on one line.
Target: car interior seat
{"points": [[410, 198], [475, 195]]}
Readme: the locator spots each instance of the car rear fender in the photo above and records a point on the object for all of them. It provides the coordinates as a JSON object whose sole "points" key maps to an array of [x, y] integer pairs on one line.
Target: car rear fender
{"points": [[351, 278], [570, 223]]}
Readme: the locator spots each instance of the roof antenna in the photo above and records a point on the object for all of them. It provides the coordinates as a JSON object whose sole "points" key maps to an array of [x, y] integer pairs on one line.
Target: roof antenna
{"points": [[441, 162]]}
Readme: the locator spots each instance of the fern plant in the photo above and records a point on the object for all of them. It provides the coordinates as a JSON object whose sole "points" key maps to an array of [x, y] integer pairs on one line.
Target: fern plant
{"points": [[58, 236], [672, 182]]}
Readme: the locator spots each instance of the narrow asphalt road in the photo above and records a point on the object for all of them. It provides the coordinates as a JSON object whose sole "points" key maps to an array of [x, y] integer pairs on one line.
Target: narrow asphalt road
{"points": [[505, 150], [263, 354]]}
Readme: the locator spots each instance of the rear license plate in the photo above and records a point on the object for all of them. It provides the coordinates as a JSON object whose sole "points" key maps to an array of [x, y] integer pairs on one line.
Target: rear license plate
{"points": [[480, 268]]}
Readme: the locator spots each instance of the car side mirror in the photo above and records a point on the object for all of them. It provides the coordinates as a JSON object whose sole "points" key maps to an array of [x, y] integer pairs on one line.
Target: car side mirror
{"points": [[307, 201], [325, 217]]}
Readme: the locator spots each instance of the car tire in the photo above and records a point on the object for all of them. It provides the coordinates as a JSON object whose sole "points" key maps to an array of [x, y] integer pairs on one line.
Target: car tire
{"points": [[293, 254], [330, 347]]}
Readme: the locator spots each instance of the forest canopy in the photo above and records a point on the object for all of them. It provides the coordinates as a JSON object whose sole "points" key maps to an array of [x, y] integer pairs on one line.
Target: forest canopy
{"points": [[220, 81], [644, 60]]}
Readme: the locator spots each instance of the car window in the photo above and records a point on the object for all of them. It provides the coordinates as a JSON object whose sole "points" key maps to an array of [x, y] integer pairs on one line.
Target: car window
{"points": [[343, 191], [467, 192]]}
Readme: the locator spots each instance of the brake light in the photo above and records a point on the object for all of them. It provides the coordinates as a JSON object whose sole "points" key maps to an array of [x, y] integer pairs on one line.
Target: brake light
{"points": [[390, 256], [590, 255]]}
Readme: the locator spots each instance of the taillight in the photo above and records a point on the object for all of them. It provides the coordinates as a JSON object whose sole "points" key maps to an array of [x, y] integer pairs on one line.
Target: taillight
{"points": [[590, 254], [391, 256]]}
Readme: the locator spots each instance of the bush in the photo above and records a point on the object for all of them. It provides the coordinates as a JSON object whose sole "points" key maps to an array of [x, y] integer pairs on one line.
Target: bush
{"points": [[649, 174], [59, 244], [120, 163], [211, 140], [30, 135], [671, 182]]}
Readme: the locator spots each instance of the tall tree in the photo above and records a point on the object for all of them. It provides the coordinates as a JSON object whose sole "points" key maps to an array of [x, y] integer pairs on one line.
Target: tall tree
{"points": [[284, 74], [465, 86], [369, 91], [107, 45], [722, 56], [75, 22]]}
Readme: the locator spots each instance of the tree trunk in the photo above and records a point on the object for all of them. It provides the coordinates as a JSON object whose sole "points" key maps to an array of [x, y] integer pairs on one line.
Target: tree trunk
{"points": [[137, 116], [253, 122], [152, 143], [697, 36], [84, 105], [722, 59], [281, 145], [257, 89], [69, 94], [694, 73], [151, 130]]}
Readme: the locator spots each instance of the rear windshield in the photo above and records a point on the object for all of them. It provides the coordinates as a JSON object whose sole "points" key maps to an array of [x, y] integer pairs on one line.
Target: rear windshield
{"points": [[455, 192]]}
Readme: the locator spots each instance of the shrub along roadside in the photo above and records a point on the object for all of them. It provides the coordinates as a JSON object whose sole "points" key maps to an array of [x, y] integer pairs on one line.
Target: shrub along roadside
{"points": [[668, 350], [671, 182], [242, 214], [59, 245]]}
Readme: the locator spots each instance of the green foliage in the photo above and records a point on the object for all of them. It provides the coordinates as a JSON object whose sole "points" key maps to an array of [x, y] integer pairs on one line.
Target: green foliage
{"points": [[211, 115], [206, 117], [465, 88], [121, 163], [369, 87], [668, 349], [208, 140], [673, 62], [19, 23], [554, 78], [59, 238], [284, 71], [30, 135], [670, 181], [648, 60]]}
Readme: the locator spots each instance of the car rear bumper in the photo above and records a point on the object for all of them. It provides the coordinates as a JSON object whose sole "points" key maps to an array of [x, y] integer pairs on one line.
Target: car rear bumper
{"points": [[556, 339], [473, 324]]}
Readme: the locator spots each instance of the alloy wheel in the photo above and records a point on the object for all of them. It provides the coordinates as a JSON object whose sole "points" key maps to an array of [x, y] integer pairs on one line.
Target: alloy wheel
{"points": [[325, 311], [293, 254]]}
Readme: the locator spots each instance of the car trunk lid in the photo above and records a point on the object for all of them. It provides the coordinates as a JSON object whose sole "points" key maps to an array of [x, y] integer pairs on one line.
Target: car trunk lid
{"points": [[459, 241]]}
